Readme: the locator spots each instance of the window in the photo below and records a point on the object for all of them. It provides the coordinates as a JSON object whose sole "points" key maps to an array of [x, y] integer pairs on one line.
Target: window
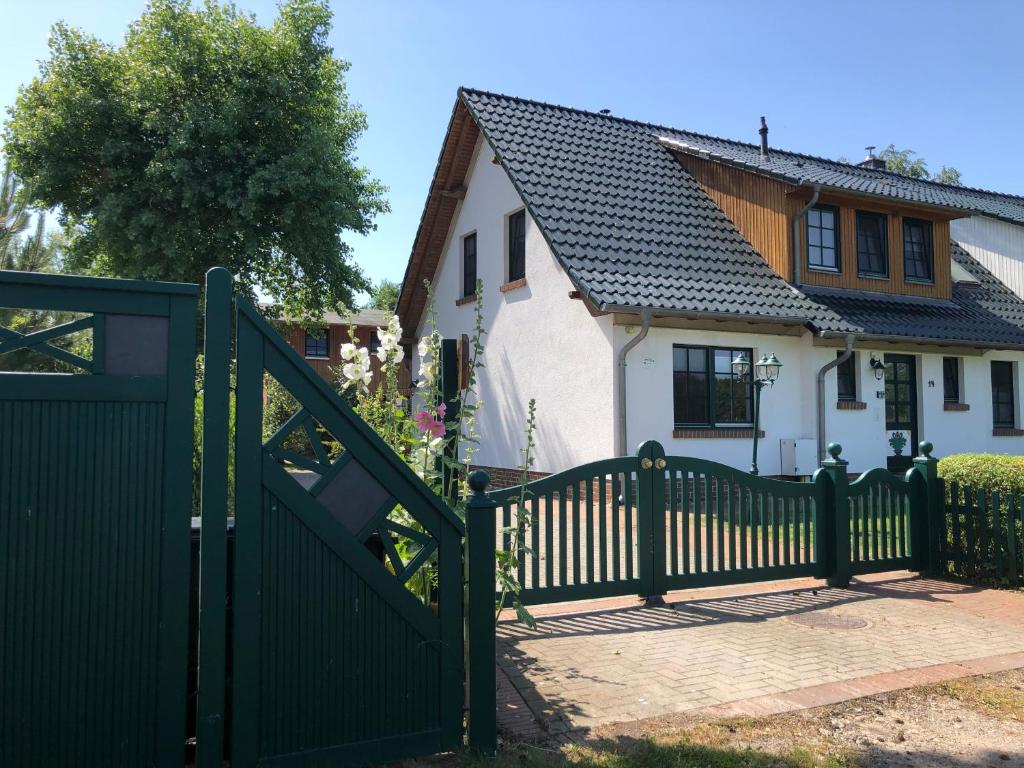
{"points": [[872, 244], [517, 246], [951, 379], [705, 390], [846, 377], [823, 238], [1003, 405], [469, 265], [917, 250], [316, 345]]}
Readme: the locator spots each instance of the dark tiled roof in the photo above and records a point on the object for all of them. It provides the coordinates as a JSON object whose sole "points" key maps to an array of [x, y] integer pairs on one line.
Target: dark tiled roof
{"points": [[986, 313], [633, 229], [628, 223], [794, 168]]}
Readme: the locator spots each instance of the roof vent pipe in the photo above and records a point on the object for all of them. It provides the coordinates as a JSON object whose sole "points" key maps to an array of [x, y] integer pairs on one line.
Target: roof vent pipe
{"points": [[764, 137], [871, 161]]}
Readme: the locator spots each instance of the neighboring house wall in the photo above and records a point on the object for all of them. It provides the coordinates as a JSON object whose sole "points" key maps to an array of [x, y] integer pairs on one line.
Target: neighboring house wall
{"points": [[540, 343], [761, 208], [337, 335], [788, 410], [998, 245]]}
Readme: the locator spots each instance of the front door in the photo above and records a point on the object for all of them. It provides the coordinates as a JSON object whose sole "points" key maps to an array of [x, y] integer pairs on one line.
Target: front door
{"points": [[900, 410]]}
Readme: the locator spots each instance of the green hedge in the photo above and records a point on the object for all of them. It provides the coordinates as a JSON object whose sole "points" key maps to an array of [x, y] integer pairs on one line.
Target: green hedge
{"points": [[988, 471]]}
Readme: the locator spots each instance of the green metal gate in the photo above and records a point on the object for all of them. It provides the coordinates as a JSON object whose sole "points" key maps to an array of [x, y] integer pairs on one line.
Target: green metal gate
{"points": [[335, 660], [330, 658], [95, 500], [648, 523]]}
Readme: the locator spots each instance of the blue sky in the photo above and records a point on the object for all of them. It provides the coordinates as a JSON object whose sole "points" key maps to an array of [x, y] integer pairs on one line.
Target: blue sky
{"points": [[939, 77]]}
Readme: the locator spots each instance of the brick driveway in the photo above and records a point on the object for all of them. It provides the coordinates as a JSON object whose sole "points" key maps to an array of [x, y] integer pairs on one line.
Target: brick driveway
{"points": [[751, 649]]}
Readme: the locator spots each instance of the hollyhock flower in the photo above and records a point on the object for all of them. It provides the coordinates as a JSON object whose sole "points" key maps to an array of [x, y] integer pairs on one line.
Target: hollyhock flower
{"points": [[425, 422]]}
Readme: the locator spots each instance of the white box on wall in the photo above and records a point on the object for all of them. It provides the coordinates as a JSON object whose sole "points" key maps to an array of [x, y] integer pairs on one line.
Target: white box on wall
{"points": [[798, 456]]}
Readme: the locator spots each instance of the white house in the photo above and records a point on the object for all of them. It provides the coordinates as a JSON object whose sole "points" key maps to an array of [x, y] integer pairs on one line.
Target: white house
{"points": [[625, 265]]}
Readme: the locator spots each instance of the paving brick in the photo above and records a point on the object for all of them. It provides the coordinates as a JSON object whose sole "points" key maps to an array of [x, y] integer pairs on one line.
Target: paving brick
{"points": [[738, 651]]}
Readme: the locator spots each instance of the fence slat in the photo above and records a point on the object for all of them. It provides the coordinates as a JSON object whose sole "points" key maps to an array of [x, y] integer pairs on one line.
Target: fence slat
{"points": [[997, 534], [576, 537], [687, 489], [616, 550], [602, 524], [628, 518], [1012, 516], [590, 529]]}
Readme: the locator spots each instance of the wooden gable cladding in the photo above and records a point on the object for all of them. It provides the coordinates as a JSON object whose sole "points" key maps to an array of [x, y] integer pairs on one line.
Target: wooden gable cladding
{"points": [[847, 277], [762, 207], [446, 192], [758, 206]]}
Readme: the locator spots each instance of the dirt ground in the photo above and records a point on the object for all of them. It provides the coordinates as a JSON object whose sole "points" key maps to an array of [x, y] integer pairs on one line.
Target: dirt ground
{"points": [[976, 722]]}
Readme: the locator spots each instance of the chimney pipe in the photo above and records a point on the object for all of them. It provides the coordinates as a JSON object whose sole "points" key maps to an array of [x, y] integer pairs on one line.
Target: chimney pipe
{"points": [[764, 137], [871, 161]]}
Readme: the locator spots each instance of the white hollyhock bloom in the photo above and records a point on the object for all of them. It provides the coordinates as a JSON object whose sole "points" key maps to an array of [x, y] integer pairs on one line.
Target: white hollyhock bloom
{"points": [[348, 351], [357, 374]]}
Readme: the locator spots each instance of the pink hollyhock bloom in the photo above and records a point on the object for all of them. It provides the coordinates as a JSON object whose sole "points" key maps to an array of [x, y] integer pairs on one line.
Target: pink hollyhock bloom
{"points": [[441, 410], [427, 423]]}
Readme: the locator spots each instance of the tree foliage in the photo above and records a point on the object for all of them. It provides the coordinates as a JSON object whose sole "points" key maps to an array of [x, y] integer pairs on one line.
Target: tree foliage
{"points": [[907, 162], [203, 139], [384, 296]]}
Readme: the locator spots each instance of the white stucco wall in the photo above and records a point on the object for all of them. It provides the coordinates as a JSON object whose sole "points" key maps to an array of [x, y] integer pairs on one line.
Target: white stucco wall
{"points": [[540, 343], [788, 410], [544, 345], [999, 247]]}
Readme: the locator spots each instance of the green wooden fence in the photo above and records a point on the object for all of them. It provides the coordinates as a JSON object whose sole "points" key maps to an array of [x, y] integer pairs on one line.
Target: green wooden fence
{"points": [[95, 500], [982, 534]]}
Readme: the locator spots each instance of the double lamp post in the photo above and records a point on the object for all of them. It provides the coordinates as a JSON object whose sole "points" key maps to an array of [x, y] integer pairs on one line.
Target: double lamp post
{"points": [[765, 372]]}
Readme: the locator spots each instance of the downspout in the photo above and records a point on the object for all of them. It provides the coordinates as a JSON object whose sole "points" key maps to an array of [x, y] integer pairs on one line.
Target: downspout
{"points": [[795, 238], [620, 432], [821, 392]]}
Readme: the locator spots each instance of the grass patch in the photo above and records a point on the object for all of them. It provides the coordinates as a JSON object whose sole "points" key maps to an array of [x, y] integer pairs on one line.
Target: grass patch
{"points": [[999, 698], [732, 743], [651, 753]]}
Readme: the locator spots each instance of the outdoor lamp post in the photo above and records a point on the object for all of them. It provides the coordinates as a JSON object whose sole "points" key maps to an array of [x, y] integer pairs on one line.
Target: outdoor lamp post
{"points": [[766, 371]]}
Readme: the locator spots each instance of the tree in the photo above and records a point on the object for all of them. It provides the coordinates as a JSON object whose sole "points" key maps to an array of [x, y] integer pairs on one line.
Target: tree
{"points": [[14, 214], [904, 162], [384, 296], [203, 139]]}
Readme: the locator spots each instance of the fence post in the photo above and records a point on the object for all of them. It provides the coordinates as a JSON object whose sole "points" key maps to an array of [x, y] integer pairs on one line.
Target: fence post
{"points": [[481, 532], [213, 542], [838, 518], [928, 519], [651, 522]]}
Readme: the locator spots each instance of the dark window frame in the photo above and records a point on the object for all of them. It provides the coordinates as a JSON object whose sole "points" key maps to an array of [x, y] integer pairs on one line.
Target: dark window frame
{"points": [[863, 255], [847, 370], [951, 379], [836, 247], [928, 243], [469, 275], [711, 384], [1004, 395], [318, 346], [515, 226]]}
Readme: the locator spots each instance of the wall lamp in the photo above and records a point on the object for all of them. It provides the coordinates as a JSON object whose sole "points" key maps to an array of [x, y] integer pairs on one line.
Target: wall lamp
{"points": [[878, 367]]}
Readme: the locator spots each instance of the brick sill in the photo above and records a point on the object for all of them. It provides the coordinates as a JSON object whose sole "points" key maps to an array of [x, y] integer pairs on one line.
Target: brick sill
{"points": [[956, 407], [520, 283], [850, 405], [720, 434], [465, 300], [1007, 432]]}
